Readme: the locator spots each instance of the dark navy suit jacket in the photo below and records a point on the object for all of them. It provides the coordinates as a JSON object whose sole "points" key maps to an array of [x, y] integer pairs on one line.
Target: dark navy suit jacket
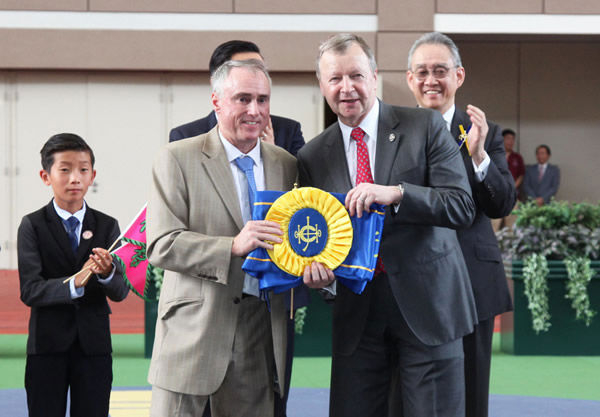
{"points": [[287, 132], [494, 197], [45, 260], [547, 187]]}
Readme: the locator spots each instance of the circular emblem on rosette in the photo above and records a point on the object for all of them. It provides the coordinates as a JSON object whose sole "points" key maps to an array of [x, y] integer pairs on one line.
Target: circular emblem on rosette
{"points": [[316, 227]]}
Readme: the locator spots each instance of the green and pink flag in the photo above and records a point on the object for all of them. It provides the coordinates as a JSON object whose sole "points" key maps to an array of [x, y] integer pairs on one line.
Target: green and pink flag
{"points": [[132, 255]]}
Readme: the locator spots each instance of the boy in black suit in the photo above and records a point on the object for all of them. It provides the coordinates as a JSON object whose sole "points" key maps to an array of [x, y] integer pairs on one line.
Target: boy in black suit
{"points": [[69, 344]]}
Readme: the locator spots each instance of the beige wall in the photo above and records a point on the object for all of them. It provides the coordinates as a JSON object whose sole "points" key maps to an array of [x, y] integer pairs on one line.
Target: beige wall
{"points": [[544, 88], [547, 92]]}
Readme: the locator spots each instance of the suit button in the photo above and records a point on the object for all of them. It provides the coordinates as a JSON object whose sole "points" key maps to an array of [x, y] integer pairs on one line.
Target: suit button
{"points": [[236, 300]]}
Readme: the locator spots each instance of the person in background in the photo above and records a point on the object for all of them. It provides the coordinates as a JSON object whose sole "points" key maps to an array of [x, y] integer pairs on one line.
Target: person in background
{"points": [[517, 169], [434, 76], [542, 179], [280, 131]]}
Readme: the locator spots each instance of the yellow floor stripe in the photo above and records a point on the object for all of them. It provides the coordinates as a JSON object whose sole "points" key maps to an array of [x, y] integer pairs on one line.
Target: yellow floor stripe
{"points": [[130, 403]]}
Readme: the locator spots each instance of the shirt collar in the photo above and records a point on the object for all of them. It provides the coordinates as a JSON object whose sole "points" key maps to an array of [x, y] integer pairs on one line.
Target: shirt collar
{"points": [[369, 124], [64, 214], [449, 115], [233, 153]]}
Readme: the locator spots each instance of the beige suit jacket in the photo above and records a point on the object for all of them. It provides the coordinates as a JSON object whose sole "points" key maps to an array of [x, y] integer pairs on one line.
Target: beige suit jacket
{"points": [[193, 215]]}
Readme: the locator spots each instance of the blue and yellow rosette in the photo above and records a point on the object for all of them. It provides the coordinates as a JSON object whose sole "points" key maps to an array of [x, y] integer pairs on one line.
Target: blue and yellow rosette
{"points": [[316, 227]]}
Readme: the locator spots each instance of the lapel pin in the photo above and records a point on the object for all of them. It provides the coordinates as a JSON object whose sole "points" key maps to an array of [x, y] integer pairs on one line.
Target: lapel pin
{"points": [[87, 234], [392, 137]]}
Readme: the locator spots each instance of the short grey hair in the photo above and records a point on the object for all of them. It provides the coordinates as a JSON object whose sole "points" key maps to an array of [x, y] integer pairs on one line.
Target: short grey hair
{"points": [[340, 43], [435, 38], [222, 73]]}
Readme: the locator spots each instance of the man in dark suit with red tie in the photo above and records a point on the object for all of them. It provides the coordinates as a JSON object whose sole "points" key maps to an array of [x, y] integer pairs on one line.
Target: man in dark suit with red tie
{"points": [[397, 347], [435, 73]]}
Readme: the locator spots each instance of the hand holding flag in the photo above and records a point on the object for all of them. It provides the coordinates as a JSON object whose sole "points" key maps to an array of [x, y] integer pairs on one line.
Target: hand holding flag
{"points": [[131, 256]]}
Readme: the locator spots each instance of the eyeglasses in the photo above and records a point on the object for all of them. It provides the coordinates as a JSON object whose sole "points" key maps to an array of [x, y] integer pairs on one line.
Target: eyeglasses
{"points": [[439, 73]]}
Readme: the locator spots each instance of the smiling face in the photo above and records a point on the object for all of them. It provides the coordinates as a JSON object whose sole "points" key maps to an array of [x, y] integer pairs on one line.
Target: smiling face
{"points": [[348, 84], [70, 176], [431, 91], [243, 107]]}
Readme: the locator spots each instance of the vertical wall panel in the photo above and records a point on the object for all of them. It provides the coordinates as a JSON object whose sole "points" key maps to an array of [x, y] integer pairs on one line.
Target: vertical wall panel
{"points": [[197, 6], [406, 15], [126, 127], [67, 5], [7, 232], [486, 6], [491, 82], [297, 96], [560, 86], [305, 6], [572, 6]]}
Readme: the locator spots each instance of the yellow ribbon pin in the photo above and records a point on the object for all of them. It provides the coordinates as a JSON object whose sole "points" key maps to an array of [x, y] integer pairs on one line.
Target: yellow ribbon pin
{"points": [[464, 139]]}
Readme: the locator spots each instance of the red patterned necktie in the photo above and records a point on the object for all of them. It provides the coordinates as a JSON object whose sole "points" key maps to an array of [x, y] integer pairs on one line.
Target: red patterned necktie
{"points": [[363, 165], [363, 172]]}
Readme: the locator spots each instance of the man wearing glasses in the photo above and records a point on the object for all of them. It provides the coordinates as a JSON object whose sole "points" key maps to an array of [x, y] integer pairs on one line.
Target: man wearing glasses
{"points": [[434, 74]]}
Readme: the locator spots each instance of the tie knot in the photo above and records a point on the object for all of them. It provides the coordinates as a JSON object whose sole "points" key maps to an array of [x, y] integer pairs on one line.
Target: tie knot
{"points": [[72, 223], [357, 134], [245, 163]]}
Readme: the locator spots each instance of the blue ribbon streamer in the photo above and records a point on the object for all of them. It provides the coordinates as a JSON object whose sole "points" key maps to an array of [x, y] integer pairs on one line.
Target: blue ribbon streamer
{"points": [[354, 272]]}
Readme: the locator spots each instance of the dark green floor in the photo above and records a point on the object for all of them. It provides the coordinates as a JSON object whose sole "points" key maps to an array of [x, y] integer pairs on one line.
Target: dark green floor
{"points": [[539, 376]]}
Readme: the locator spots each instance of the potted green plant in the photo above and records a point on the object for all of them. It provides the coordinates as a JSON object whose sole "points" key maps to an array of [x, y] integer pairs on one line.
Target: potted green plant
{"points": [[552, 255]]}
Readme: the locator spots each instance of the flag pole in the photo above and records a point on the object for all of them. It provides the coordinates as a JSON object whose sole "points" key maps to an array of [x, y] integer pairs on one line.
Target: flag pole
{"points": [[292, 304], [88, 267], [110, 248]]}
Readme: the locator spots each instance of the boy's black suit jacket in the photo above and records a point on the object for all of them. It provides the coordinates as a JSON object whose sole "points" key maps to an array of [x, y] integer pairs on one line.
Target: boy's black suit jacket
{"points": [[45, 260]]}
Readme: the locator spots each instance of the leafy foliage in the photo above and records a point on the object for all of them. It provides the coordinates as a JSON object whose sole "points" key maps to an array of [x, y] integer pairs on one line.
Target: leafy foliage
{"points": [[156, 275], [559, 231], [580, 274], [299, 319], [535, 270]]}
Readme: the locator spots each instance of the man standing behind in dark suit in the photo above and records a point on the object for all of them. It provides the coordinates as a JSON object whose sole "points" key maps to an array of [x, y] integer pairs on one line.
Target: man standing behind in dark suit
{"points": [[542, 179], [397, 347], [281, 131], [435, 73]]}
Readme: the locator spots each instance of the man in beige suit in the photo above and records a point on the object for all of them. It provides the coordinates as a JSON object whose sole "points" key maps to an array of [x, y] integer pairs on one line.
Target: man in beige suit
{"points": [[215, 338]]}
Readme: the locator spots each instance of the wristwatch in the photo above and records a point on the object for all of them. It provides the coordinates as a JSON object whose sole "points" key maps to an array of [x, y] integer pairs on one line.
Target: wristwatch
{"points": [[401, 188]]}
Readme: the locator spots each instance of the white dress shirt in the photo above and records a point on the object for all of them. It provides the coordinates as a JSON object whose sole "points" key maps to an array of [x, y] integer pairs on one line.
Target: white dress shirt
{"points": [[79, 215], [369, 125], [239, 179]]}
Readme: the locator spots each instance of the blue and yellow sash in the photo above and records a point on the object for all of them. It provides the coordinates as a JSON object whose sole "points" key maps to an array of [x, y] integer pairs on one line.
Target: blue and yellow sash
{"points": [[316, 227]]}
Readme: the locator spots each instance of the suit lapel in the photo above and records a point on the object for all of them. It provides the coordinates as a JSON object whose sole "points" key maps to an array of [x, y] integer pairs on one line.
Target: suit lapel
{"points": [[219, 172], [273, 169], [461, 118], [389, 138], [55, 225], [334, 155]]}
